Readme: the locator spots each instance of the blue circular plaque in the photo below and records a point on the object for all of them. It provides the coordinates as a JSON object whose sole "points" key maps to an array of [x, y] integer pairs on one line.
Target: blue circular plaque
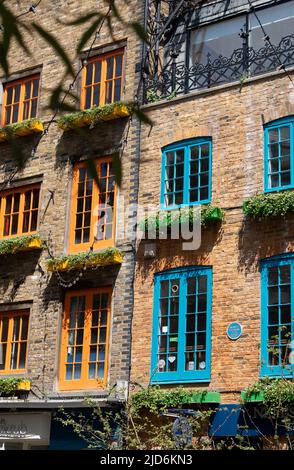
{"points": [[234, 331]]}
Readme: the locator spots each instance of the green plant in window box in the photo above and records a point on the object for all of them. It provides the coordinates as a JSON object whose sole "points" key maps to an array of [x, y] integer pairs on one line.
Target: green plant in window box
{"points": [[20, 129], [9, 386], [23, 243], [90, 117], [165, 220], [263, 206], [86, 260], [277, 395], [157, 399]]}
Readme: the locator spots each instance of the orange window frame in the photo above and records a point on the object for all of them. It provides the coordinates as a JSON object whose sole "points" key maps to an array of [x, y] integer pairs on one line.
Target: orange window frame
{"points": [[22, 82], [11, 316], [103, 79], [21, 211], [84, 383], [99, 244]]}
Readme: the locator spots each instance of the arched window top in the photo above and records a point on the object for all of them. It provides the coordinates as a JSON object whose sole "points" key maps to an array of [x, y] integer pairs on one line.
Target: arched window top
{"points": [[279, 154], [186, 173], [279, 122], [185, 142]]}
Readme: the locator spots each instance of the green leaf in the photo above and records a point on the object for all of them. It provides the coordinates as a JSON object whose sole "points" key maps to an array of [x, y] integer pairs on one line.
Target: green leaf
{"points": [[11, 30], [52, 41], [56, 100], [80, 20], [140, 31], [88, 34], [142, 116]]}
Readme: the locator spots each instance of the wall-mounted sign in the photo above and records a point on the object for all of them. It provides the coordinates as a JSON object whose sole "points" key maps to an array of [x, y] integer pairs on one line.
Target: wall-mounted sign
{"points": [[234, 331], [25, 426]]}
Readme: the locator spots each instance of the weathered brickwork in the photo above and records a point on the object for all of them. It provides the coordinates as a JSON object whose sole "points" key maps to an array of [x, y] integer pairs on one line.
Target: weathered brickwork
{"points": [[24, 277], [234, 119]]}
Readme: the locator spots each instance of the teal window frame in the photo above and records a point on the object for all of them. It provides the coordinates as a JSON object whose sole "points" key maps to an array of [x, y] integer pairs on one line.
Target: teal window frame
{"points": [[181, 375], [277, 124], [267, 369], [186, 145]]}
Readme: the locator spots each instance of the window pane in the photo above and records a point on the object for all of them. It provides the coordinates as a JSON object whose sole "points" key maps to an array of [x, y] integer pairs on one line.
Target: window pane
{"points": [[35, 88], [4, 333], [15, 109], [28, 90], [278, 22], [117, 90], [118, 63], [88, 98], [9, 95], [97, 73], [220, 39], [110, 62], [22, 355], [89, 74], [96, 95], [108, 87], [16, 93]]}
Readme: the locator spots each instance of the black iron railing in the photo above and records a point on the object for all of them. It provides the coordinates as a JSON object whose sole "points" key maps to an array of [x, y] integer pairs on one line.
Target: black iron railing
{"points": [[177, 78]]}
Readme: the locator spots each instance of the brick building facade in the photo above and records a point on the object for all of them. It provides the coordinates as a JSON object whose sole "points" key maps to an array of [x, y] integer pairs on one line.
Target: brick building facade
{"points": [[26, 284], [190, 105], [222, 107]]}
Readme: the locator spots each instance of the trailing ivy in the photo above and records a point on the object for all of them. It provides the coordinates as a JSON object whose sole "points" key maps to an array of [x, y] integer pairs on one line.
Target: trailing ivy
{"points": [[9, 385], [91, 116], [71, 262], [165, 220], [15, 244], [269, 205]]}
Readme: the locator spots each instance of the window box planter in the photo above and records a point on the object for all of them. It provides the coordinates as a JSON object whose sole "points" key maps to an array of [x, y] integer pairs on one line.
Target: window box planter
{"points": [[21, 129], [252, 397], [165, 220], [17, 244], [24, 385], [205, 397], [94, 115], [86, 260], [10, 386], [268, 205]]}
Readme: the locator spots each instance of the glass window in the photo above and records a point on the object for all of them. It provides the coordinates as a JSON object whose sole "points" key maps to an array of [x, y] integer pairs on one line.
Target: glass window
{"points": [[84, 349], [13, 341], [186, 173], [279, 155], [278, 22], [219, 39], [93, 209], [181, 325], [103, 80], [20, 100], [277, 277], [19, 211]]}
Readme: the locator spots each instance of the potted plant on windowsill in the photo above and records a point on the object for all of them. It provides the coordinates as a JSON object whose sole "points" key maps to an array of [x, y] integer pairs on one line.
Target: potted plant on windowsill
{"points": [[24, 385], [86, 260], [13, 245], [21, 129], [11, 386]]}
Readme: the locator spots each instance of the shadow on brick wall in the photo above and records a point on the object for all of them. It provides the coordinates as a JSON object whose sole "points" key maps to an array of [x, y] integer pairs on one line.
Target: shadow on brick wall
{"points": [[259, 239], [104, 139], [14, 269], [170, 253]]}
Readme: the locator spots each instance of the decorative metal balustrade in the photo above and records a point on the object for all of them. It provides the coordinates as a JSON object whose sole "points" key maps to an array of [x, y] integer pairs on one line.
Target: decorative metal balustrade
{"points": [[176, 78]]}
